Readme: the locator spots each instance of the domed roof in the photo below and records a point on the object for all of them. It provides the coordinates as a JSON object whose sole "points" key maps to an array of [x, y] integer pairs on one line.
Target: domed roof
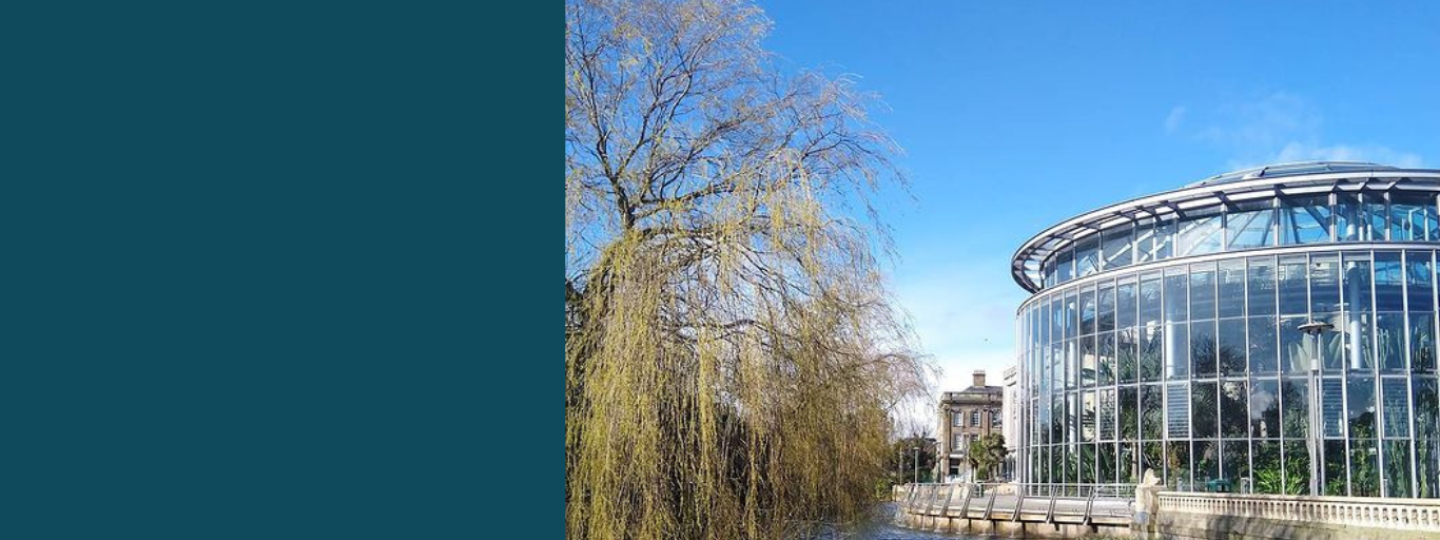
{"points": [[1291, 169]]}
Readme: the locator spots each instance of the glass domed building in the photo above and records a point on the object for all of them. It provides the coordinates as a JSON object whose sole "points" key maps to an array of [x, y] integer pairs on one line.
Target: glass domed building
{"points": [[1269, 330]]}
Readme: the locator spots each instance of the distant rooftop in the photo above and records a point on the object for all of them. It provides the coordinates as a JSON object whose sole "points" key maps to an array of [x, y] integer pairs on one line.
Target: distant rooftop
{"points": [[1291, 169]]}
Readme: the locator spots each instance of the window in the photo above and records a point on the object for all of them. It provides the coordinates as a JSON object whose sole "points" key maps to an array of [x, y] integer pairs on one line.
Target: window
{"points": [[975, 418], [958, 445], [995, 420], [955, 420]]}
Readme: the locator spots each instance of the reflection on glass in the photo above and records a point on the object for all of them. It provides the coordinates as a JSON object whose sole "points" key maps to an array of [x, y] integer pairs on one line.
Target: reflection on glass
{"points": [[1261, 285], [1204, 410], [1324, 283], [1262, 345], [1235, 465], [1203, 349], [1202, 292], [1389, 282], [1292, 286], [1152, 409], [1177, 465], [1422, 341], [1232, 288], [1117, 247], [1265, 409], [1306, 220], [1105, 320], [1176, 308], [1232, 347], [1250, 225], [1395, 394], [1199, 235], [1234, 415], [1296, 402]]}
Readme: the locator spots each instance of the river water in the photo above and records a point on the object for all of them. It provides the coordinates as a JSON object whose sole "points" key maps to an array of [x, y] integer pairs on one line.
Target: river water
{"points": [[882, 527]]}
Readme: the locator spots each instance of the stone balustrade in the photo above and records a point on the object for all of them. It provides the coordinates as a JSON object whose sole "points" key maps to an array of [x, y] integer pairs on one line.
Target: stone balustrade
{"points": [[1398, 514]]}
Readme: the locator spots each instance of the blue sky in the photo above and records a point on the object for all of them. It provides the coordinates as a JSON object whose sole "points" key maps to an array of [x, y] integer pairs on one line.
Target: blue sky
{"points": [[1015, 116]]}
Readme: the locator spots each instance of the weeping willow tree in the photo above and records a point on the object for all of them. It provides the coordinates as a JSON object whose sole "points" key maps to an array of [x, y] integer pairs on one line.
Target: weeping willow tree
{"points": [[733, 362]]}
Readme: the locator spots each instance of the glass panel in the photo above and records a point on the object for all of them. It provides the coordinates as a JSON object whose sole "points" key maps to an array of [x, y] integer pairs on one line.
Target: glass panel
{"points": [[1087, 256], [1106, 422], [1419, 281], [1106, 464], [1306, 220], [1150, 299], [1087, 311], [1232, 288], [1087, 361], [1152, 348], [1203, 349], [1105, 353], [1396, 400], [1126, 354], [1125, 304], [1410, 216], [1176, 308], [1199, 235], [1265, 409], [1295, 353], [1296, 402], [1164, 243], [1389, 278], [1151, 458], [1202, 291], [1357, 297], [1236, 464], [1232, 347], [1117, 247], [1293, 298], [1177, 465], [1151, 412], [1250, 225], [1261, 284], [1203, 409], [1268, 478], [1422, 341], [1087, 416], [1087, 464], [1335, 468], [1207, 462], [1177, 351], [1397, 469], [1234, 415], [1262, 345], [1144, 242], [1427, 468], [1297, 469], [1065, 265], [1177, 411], [1105, 320], [1332, 407], [1375, 213], [1349, 227], [1129, 415], [1360, 400], [1332, 344], [1390, 341], [1364, 468], [1324, 283], [1127, 463]]}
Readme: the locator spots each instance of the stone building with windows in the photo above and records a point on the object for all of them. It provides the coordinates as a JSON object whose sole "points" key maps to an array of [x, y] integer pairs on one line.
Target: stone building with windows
{"points": [[965, 415], [1270, 330]]}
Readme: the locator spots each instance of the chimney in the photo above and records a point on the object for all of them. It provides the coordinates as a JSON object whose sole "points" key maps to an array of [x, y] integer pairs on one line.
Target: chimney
{"points": [[979, 377]]}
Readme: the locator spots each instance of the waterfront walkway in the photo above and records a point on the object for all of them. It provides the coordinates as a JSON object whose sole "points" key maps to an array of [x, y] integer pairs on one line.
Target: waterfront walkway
{"points": [[941, 505]]}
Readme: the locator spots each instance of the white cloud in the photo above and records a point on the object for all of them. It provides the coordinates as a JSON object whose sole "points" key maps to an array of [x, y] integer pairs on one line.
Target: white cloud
{"points": [[1283, 127], [1172, 121]]}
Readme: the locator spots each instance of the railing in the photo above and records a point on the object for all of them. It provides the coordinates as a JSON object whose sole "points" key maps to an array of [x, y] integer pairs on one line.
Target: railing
{"points": [[1406, 514], [1048, 503]]}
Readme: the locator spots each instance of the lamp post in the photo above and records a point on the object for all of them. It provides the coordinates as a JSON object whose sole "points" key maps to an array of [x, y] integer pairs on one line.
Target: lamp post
{"points": [[916, 448], [1313, 330]]}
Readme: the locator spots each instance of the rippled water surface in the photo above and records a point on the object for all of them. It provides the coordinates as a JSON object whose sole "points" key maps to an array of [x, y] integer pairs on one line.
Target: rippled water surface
{"points": [[883, 528]]}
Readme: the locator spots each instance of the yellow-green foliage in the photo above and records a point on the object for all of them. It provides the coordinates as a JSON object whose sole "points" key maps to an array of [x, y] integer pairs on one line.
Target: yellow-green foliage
{"points": [[732, 359]]}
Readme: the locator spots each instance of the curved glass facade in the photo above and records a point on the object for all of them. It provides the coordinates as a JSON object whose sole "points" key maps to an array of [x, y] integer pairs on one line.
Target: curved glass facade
{"points": [[1180, 344]]}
